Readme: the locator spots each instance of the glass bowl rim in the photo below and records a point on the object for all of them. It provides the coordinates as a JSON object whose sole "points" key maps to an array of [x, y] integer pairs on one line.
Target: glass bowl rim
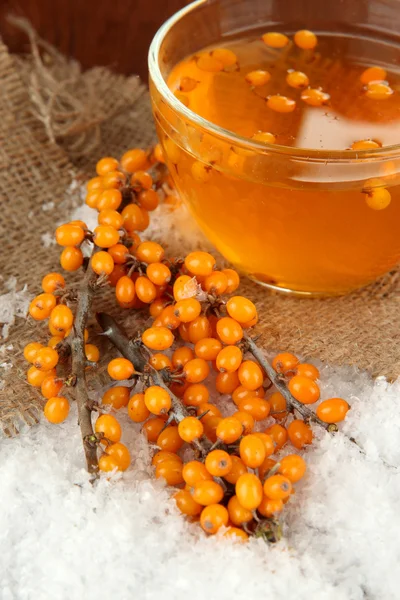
{"points": [[235, 140]]}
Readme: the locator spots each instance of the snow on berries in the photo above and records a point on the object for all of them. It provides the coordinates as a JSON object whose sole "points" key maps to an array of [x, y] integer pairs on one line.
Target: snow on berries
{"points": [[227, 429]]}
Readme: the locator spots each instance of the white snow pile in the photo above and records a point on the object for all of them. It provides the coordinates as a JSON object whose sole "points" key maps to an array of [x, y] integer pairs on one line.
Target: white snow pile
{"points": [[65, 539], [12, 304]]}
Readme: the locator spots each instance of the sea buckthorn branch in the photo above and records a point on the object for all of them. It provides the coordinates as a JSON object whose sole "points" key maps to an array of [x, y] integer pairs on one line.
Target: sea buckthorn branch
{"points": [[276, 380]]}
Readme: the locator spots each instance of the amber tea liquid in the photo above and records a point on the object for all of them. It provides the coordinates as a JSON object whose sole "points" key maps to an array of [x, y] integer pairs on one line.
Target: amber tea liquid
{"points": [[297, 224]]}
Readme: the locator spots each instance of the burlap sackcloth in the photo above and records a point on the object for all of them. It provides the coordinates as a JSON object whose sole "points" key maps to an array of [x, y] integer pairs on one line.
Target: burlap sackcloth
{"points": [[55, 122]]}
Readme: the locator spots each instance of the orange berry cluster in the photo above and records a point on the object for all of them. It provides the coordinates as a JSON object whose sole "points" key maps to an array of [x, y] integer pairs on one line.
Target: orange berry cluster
{"points": [[196, 345]]}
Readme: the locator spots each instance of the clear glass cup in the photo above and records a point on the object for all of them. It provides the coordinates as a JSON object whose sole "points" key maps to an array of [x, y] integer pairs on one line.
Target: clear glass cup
{"points": [[293, 219]]}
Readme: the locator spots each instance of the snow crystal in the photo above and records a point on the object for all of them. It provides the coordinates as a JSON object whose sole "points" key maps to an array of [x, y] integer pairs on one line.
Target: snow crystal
{"points": [[48, 240], [48, 206], [12, 304], [124, 538]]}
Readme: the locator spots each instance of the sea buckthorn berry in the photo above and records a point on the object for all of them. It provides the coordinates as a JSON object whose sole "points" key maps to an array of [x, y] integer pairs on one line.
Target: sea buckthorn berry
{"points": [[378, 90], [216, 283], [378, 198], [241, 393], [227, 57], [200, 263], [229, 430], [31, 350], [237, 513], [196, 370], [281, 104], [277, 487], [195, 471], [373, 74], [246, 420], [51, 386], [285, 362], [69, 235], [269, 508], [169, 439], [250, 375], [125, 290], [229, 359], [304, 389], [158, 273], [365, 145], [149, 199], [305, 39], [269, 445], [137, 409], [157, 306], [107, 463], [52, 282], [237, 534], [299, 434], [190, 429], [297, 79], [120, 454], [134, 160], [315, 97], [229, 331], [41, 306], [226, 383], [293, 467], [186, 504], [249, 491], [241, 309], [213, 517], [257, 407], [162, 455], [266, 467], [233, 280], [238, 468], [117, 397], [79, 223], [116, 274], [142, 180], [158, 155], [92, 353], [208, 63], [184, 287], [110, 217], [105, 236], [278, 434], [92, 198], [157, 400], [307, 370], [199, 329], [208, 348], [264, 137], [218, 463], [61, 317], [145, 289], [210, 409], [109, 200], [71, 258], [210, 428], [277, 403], [171, 471], [109, 426], [252, 451], [181, 356], [56, 409], [187, 84], [152, 428], [333, 410], [46, 359], [96, 183], [102, 263], [36, 377], [187, 310], [171, 149], [258, 78], [196, 394], [160, 361], [133, 218], [168, 318], [150, 252], [274, 39], [105, 165], [55, 340], [207, 492], [120, 368]]}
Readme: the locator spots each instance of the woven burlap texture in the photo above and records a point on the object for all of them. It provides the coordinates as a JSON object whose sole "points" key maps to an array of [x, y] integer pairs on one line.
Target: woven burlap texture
{"points": [[39, 158]]}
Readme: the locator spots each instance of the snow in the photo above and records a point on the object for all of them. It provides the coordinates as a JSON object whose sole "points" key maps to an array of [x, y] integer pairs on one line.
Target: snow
{"points": [[125, 539], [12, 304]]}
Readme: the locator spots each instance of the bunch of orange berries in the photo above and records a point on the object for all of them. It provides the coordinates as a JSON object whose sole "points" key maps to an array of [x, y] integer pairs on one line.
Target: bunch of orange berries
{"points": [[196, 345]]}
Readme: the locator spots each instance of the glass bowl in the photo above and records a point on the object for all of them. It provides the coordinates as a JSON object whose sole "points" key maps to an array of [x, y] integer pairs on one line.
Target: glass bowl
{"points": [[293, 219]]}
